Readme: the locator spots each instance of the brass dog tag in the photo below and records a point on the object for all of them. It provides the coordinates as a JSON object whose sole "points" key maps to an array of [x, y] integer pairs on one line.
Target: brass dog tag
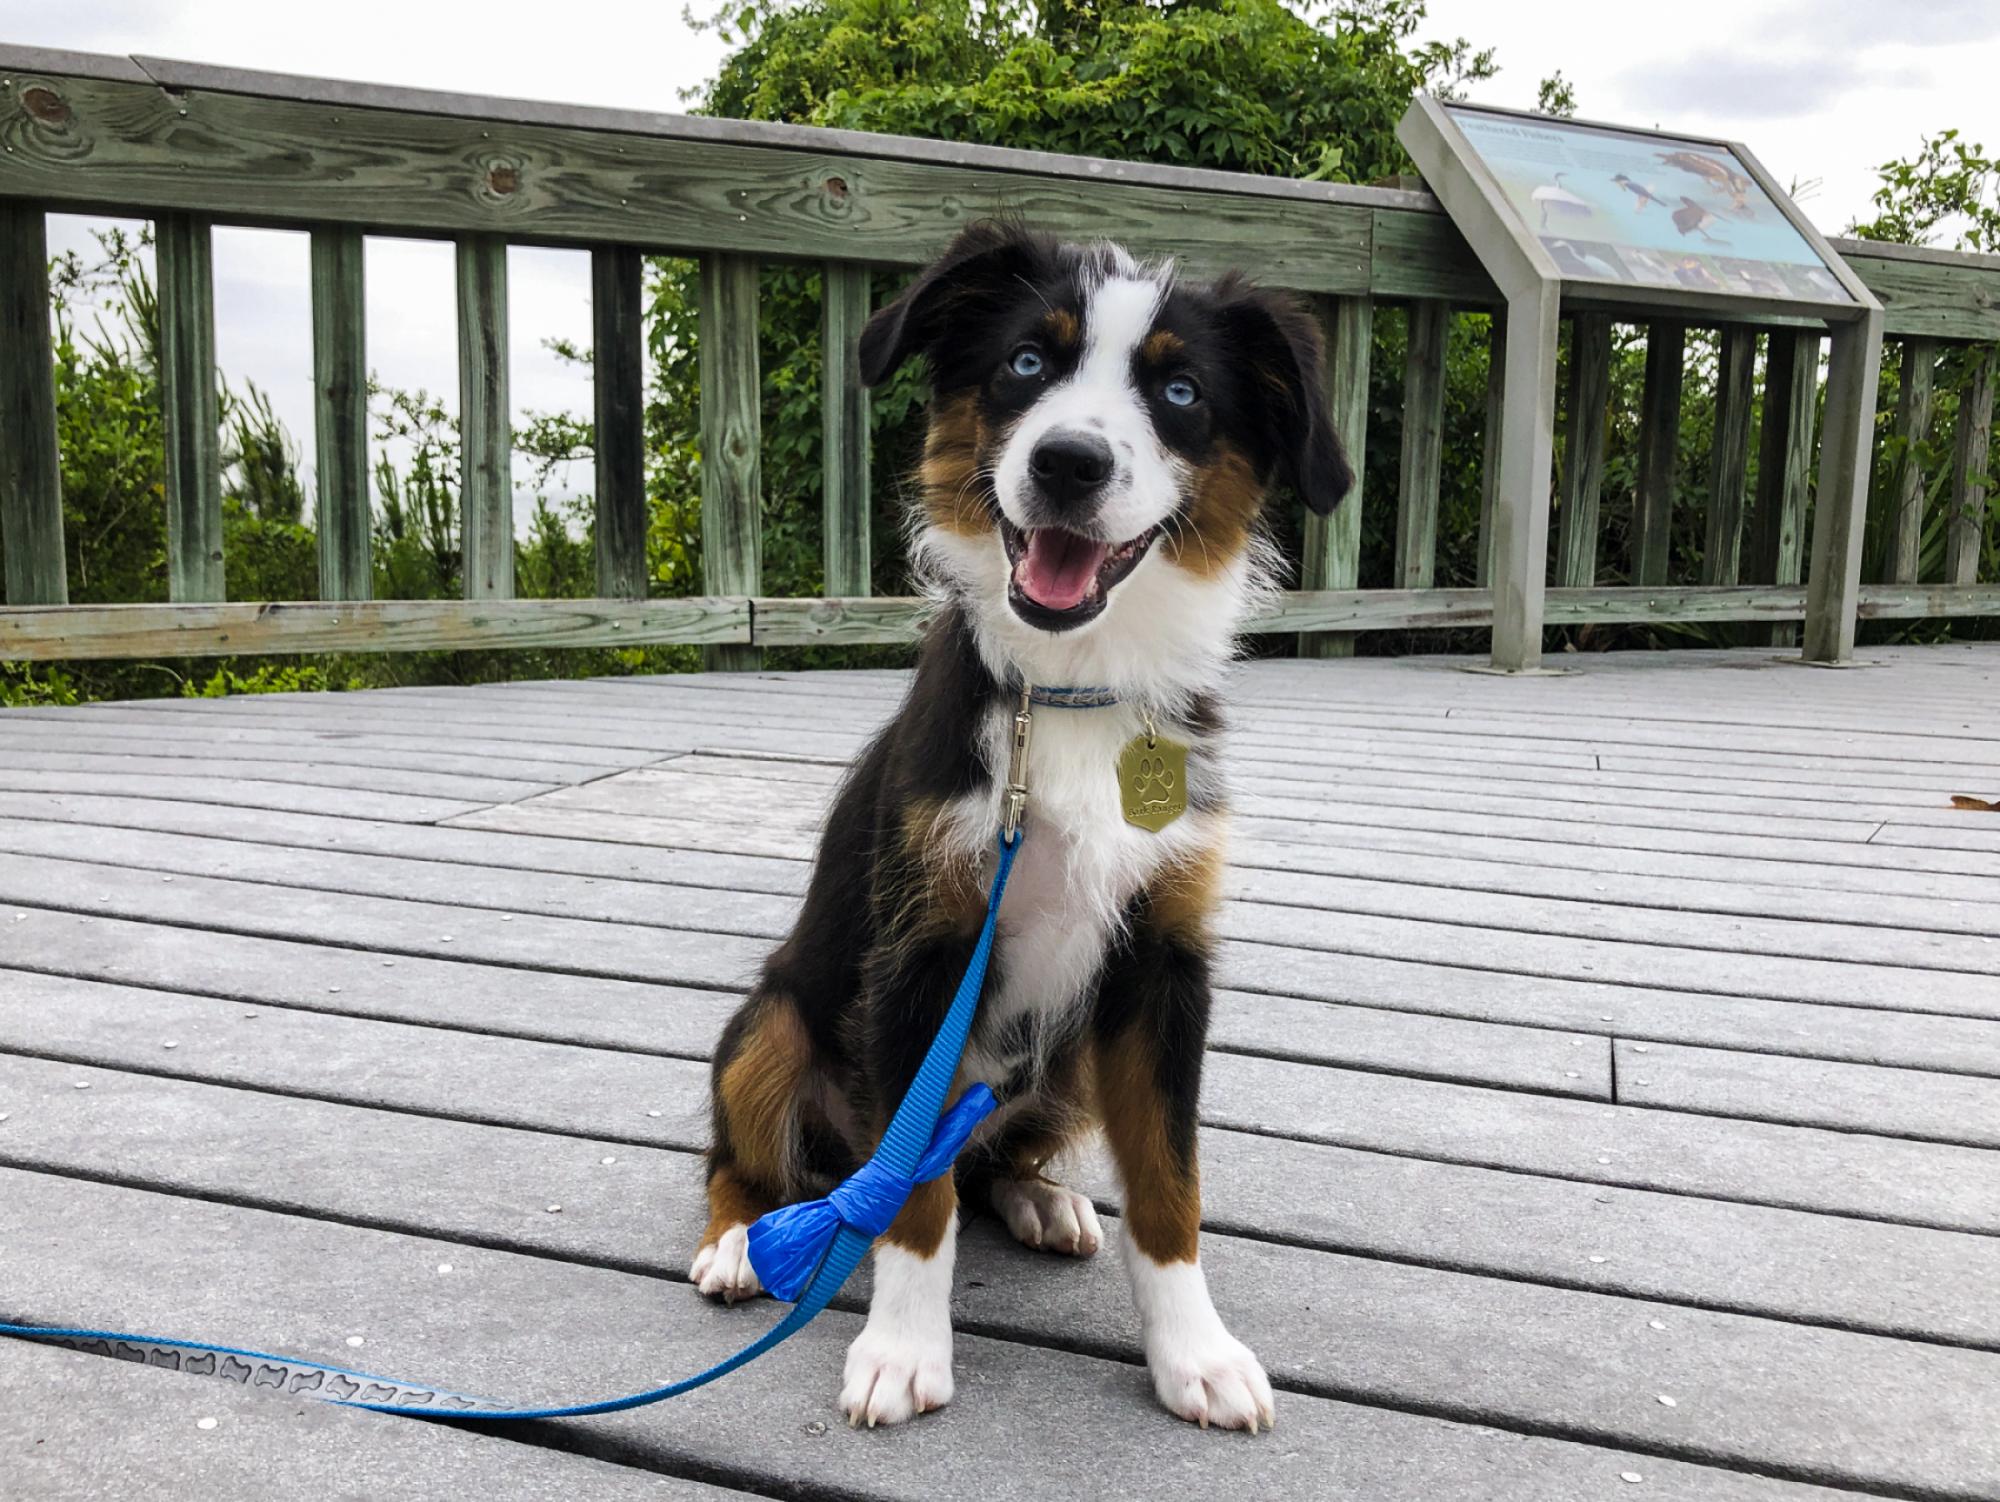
{"points": [[1152, 781]]}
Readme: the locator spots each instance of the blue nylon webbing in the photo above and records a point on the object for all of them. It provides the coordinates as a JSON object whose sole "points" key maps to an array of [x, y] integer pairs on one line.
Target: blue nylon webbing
{"points": [[902, 1149]]}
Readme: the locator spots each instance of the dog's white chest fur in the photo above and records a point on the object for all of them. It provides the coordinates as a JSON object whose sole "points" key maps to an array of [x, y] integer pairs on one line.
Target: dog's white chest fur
{"points": [[1079, 867]]}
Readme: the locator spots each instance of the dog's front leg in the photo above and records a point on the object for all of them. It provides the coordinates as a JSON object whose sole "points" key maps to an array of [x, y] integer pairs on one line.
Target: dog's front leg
{"points": [[1152, 1026], [900, 1364]]}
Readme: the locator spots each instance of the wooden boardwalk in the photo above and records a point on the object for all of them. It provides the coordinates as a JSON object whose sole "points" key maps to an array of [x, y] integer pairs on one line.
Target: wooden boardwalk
{"points": [[1604, 1097]]}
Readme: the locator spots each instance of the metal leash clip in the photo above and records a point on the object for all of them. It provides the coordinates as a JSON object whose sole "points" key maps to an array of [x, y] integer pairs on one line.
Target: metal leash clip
{"points": [[1015, 804]]}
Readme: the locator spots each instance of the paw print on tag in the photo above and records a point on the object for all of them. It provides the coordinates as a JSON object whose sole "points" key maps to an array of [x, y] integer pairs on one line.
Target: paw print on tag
{"points": [[1153, 783]]}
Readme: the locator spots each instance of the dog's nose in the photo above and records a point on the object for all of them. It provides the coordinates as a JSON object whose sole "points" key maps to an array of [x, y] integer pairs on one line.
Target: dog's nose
{"points": [[1069, 466]]}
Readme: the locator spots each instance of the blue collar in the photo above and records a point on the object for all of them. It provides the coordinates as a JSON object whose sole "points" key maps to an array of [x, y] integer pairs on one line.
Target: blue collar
{"points": [[1073, 698]]}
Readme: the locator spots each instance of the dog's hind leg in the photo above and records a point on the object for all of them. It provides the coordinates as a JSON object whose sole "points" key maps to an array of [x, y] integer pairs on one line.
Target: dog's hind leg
{"points": [[760, 1078], [1040, 1212], [1047, 1216]]}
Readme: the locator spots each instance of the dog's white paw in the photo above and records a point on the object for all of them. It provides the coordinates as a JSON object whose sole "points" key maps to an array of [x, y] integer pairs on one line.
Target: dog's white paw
{"points": [[896, 1373], [1048, 1217], [1200, 1371], [722, 1268], [1215, 1380]]}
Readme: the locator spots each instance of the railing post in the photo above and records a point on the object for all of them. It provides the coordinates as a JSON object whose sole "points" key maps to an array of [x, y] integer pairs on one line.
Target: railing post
{"points": [[184, 254], [1587, 400], [340, 414], [1489, 443], [1659, 453], [1784, 460], [31, 522], [846, 496], [1521, 515], [1423, 438], [731, 478], [1966, 525], [1332, 544], [1729, 465], [1906, 493], [1833, 590], [618, 384], [486, 480]]}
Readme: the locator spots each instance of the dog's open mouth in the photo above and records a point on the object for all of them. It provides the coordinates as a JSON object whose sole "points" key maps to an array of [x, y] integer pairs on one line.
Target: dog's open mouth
{"points": [[1062, 579]]}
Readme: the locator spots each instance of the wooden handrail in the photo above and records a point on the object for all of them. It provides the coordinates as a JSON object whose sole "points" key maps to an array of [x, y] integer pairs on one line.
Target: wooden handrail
{"points": [[191, 146]]}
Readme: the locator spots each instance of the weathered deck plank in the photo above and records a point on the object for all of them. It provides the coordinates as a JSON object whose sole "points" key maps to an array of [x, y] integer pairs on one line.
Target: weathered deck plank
{"points": [[53, 1405], [1639, 1029], [595, 1010], [619, 1331], [725, 937], [1808, 1398]]}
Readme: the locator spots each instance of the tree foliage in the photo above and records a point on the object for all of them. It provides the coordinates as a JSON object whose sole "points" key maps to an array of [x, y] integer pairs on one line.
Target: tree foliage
{"points": [[1950, 187], [1236, 85]]}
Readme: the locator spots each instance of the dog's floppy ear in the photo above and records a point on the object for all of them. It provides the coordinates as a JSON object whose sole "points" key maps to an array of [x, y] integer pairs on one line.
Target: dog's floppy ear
{"points": [[977, 270], [1285, 356]]}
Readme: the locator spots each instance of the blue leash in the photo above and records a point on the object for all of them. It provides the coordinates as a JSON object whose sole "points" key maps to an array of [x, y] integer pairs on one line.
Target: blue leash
{"points": [[805, 1252]]}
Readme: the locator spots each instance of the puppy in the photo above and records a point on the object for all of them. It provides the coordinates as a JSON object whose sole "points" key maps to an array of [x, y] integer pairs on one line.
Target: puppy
{"points": [[1101, 439]]}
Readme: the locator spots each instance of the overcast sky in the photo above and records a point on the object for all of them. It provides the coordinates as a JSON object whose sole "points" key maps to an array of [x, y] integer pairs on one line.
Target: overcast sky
{"points": [[1823, 90]]}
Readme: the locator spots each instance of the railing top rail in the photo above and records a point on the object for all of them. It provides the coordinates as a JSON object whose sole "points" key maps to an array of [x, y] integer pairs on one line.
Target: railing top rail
{"points": [[177, 76], [844, 195], [1929, 255]]}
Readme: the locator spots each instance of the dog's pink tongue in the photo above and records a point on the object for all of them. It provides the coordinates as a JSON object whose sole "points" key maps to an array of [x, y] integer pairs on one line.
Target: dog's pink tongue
{"points": [[1059, 567]]}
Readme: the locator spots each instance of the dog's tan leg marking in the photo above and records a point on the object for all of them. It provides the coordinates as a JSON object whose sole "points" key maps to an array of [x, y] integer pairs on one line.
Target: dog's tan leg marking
{"points": [[1200, 1371], [756, 1126]]}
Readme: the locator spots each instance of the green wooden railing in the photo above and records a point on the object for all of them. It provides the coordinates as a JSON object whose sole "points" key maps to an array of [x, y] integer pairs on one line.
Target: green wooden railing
{"points": [[190, 147]]}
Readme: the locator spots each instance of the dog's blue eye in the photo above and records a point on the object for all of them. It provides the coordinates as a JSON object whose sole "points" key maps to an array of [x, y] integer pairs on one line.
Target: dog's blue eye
{"points": [[1027, 361], [1181, 393]]}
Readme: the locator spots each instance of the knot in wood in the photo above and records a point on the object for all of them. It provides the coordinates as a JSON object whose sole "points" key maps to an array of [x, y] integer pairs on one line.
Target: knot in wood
{"points": [[46, 105], [836, 189], [503, 179]]}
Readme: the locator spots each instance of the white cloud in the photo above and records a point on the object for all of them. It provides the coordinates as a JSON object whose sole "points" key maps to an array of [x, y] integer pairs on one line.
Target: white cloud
{"points": [[1760, 87]]}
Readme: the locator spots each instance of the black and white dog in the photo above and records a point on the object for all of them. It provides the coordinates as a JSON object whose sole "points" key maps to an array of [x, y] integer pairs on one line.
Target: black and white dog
{"points": [[1101, 439]]}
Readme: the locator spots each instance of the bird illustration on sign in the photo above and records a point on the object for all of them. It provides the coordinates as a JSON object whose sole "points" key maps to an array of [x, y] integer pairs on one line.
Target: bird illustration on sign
{"points": [[1716, 173], [1554, 199], [1640, 191]]}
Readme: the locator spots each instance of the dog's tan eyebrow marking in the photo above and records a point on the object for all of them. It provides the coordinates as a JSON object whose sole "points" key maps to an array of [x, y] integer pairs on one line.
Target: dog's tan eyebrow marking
{"points": [[1062, 326], [1160, 346]]}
